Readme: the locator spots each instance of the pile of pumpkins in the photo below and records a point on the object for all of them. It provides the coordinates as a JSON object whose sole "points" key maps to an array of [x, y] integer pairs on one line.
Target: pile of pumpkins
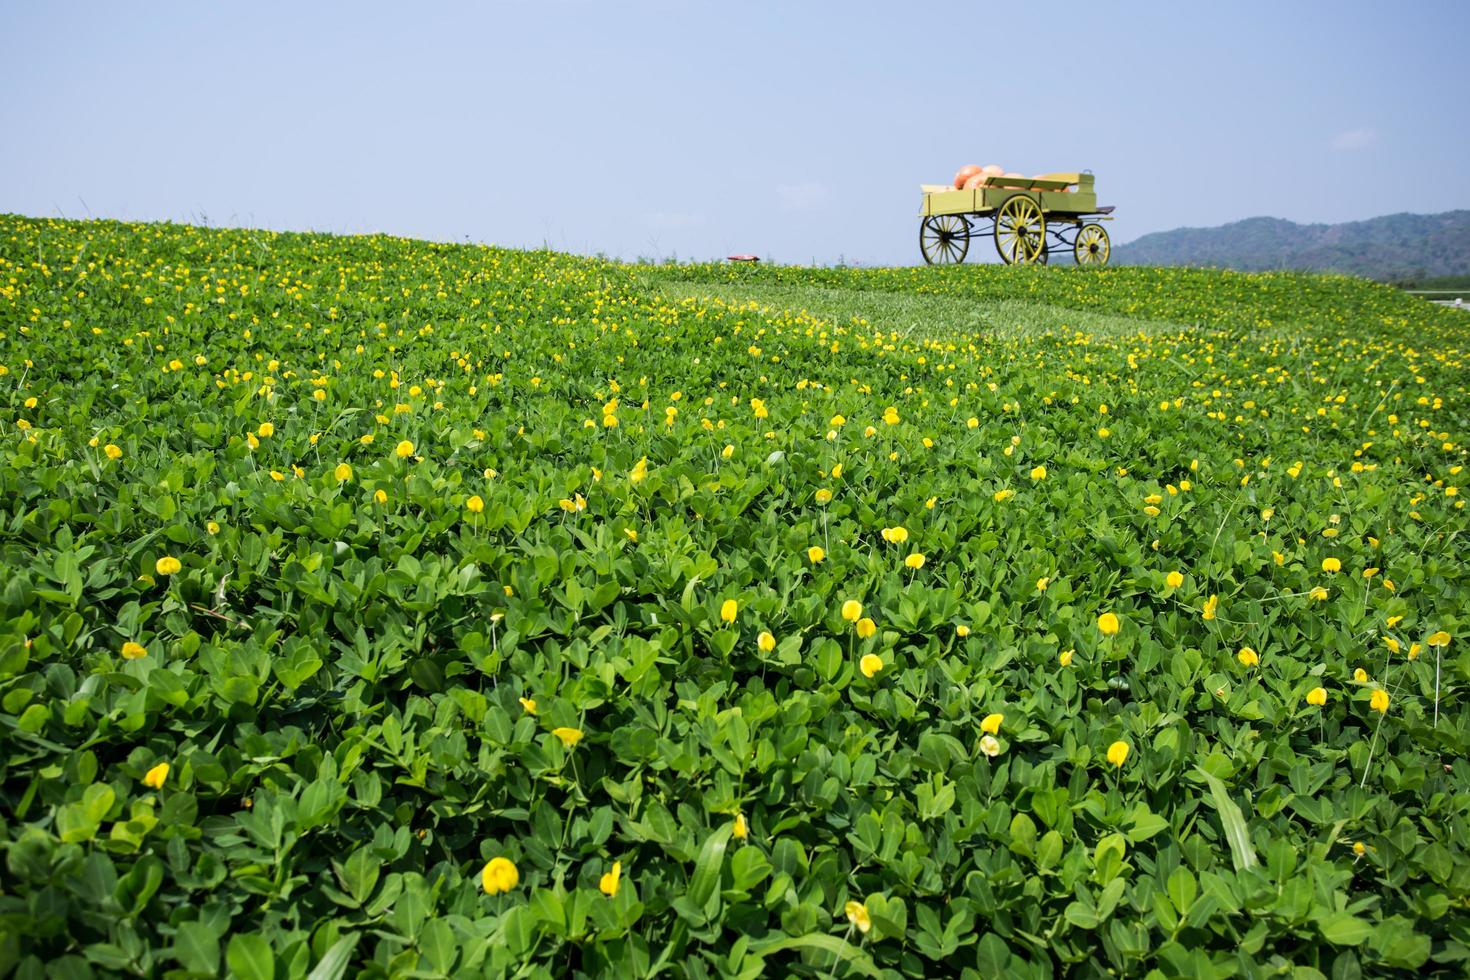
{"points": [[992, 175]]}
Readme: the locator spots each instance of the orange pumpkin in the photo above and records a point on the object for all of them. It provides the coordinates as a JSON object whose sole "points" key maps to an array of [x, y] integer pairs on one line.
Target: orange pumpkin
{"points": [[993, 170], [976, 180], [964, 174]]}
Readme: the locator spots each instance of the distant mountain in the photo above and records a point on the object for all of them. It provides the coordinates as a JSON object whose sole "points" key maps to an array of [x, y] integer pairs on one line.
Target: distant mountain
{"points": [[1393, 248]]}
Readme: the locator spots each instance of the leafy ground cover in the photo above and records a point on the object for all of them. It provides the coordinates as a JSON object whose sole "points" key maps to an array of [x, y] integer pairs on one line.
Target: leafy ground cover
{"points": [[379, 608]]}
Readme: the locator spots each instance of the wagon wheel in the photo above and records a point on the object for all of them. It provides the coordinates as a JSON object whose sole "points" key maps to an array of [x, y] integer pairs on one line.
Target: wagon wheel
{"points": [[1020, 230], [944, 239], [1092, 246]]}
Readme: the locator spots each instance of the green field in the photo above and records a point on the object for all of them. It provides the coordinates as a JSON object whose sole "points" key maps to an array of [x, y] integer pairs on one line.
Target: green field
{"points": [[378, 608]]}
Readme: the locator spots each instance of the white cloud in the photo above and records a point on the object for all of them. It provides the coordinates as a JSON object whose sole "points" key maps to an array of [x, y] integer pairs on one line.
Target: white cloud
{"points": [[802, 197], [1355, 139]]}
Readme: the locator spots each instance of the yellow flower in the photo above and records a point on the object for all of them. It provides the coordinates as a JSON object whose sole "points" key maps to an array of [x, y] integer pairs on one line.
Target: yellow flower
{"points": [[277, 475], [766, 642], [1038, 473], [343, 472], [212, 527], [1278, 558], [1065, 659], [1001, 496], [1317, 696], [1248, 657], [1042, 583], [725, 453], [133, 651], [1391, 643], [608, 883], [962, 631], [739, 831], [154, 777], [1118, 753], [1378, 700], [1360, 675], [1108, 625], [815, 554], [870, 664], [167, 565], [991, 724], [380, 496], [852, 610], [569, 736], [500, 875], [639, 473], [1209, 608], [112, 451], [266, 430], [866, 628], [897, 535], [1331, 565], [529, 704], [1318, 593], [475, 504], [1439, 639], [857, 914], [728, 610], [404, 449], [824, 496], [1413, 651], [990, 745], [1173, 580], [915, 560]]}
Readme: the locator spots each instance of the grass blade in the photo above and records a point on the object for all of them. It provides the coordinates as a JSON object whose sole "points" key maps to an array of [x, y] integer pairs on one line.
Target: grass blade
{"points": [[1242, 852]]}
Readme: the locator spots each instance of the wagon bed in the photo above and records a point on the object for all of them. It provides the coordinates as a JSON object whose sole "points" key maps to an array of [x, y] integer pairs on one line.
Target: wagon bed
{"points": [[1028, 217]]}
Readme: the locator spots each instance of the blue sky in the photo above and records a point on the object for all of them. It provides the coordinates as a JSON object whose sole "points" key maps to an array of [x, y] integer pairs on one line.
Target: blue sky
{"points": [[798, 131]]}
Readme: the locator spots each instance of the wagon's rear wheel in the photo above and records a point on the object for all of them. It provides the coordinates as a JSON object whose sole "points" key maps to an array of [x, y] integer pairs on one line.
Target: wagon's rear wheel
{"points": [[1020, 230], [1092, 246], [944, 239]]}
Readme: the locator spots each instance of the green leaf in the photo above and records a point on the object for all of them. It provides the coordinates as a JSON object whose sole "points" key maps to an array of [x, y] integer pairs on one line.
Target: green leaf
{"points": [[1145, 824], [249, 957], [1342, 929], [196, 945], [1049, 850], [436, 942]]}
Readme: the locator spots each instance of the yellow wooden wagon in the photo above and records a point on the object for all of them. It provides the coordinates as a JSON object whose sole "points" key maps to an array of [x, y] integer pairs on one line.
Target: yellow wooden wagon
{"points": [[1029, 218]]}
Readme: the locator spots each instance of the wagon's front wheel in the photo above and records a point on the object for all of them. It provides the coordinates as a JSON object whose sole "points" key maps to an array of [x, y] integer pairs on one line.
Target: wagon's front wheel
{"points": [[944, 239], [1020, 230], [1092, 246]]}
